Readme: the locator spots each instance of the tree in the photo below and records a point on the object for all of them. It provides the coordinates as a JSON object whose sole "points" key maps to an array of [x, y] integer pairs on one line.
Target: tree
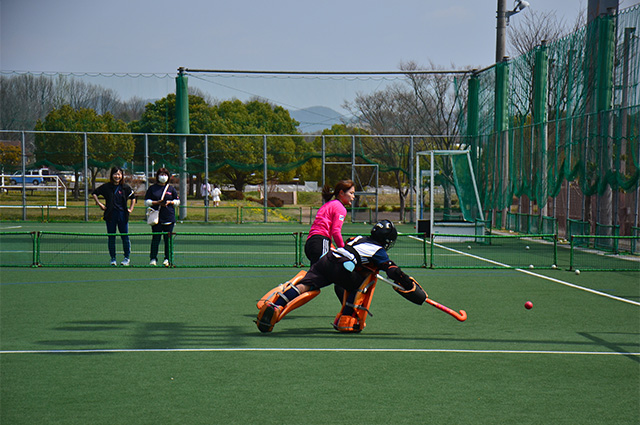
{"points": [[428, 104], [159, 120], [338, 147], [245, 158], [9, 156], [67, 150], [24, 99], [530, 29]]}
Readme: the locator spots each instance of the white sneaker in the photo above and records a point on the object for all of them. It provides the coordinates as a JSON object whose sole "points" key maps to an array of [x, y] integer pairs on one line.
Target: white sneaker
{"points": [[165, 262], [153, 262], [114, 262], [125, 262]]}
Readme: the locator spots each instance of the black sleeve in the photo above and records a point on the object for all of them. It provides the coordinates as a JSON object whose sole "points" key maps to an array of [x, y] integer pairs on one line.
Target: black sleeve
{"points": [[397, 275], [99, 190], [131, 193]]}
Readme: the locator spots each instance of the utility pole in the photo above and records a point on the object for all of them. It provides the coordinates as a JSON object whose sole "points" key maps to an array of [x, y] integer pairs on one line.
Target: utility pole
{"points": [[501, 30]]}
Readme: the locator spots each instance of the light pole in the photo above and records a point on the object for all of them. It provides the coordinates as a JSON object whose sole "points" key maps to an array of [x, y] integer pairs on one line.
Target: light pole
{"points": [[503, 16]]}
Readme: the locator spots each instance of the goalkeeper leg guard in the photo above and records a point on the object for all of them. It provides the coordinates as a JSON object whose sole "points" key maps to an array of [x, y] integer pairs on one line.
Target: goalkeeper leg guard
{"points": [[271, 313], [268, 316], [274, 294], [355, 307], [280, 301]]}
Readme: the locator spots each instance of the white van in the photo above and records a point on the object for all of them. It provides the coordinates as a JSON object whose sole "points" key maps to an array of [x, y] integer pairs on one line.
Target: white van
{"points": [[34, 177]]}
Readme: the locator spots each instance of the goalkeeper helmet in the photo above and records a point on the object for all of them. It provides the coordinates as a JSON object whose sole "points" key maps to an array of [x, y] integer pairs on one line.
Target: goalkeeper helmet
{"points": [[385, 233]]}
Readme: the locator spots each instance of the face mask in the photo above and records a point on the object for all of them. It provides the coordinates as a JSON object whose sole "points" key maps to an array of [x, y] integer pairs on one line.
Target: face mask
{"points": [[163, 178]]}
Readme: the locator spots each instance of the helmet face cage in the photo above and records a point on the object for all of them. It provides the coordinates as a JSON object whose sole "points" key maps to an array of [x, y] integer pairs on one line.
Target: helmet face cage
{"points": [[385, 233]]}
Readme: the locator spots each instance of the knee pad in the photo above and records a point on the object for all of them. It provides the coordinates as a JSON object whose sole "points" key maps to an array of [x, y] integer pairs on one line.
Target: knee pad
{"points": [[277, 292], [355, 307]]}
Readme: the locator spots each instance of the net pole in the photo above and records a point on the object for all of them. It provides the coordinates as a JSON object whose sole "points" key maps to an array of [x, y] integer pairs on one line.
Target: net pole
{"points": [[146, 161], [264, 179], [411, 177], [86, 178], [206, 178], [431, 200], [24, 176]]}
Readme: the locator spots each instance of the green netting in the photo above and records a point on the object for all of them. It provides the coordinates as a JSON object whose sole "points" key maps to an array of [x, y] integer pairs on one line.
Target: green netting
{"points": [[585, 256], [564, 115], [236, 250], [465, 188], [17, 249], [285, 249], [573, 114], [493, 251]]}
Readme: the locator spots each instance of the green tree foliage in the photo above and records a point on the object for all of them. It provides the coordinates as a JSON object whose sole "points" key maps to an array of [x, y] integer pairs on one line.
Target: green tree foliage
{"points": [[338, 148], [233, 159], [66, 150], [241, 156], [159, 118], [9, 156]]}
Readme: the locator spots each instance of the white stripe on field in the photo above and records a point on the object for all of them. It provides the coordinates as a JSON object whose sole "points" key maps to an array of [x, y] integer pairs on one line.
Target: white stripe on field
{"points": [[319, 350], [551, 279]]}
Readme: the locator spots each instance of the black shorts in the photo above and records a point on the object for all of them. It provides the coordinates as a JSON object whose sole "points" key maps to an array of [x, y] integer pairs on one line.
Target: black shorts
{"points": [[315, 247], [330, 269]]}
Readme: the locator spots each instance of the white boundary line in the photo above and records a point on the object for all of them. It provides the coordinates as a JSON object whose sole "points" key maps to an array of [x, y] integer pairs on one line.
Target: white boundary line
{"points": [[352, 350], [551, 279]]}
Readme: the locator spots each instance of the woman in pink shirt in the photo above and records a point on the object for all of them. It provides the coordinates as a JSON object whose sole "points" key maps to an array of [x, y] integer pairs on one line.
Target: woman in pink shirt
{"points": [[329, 219]]}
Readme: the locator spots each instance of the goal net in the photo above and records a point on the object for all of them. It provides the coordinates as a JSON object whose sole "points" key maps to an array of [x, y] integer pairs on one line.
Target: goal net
{"points": [[447, 200]]}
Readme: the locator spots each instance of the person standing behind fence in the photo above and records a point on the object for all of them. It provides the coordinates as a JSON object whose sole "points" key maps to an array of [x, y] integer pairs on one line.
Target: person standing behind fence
{"points": [[216, 195], [163, 197], [205, 190], [116, 194]]}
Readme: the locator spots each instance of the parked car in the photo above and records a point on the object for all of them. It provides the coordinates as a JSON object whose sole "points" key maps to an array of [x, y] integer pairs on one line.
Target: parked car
{"points": [[139, 176], [34, 177], [70, 176]]}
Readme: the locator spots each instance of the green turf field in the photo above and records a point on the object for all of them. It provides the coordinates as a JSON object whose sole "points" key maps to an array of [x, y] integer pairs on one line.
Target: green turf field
{"points": [[179, 346]]}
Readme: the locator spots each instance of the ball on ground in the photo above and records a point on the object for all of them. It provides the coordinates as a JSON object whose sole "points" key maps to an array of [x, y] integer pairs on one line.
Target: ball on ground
{"points": [[526, 247], [468, 246], [553, 266], [530, 266], [577, 272], [528, 305]]}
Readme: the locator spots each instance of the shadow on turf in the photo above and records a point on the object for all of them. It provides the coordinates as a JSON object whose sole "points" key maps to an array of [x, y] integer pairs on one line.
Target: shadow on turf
{"points": [[178, 335], [611, 346]]}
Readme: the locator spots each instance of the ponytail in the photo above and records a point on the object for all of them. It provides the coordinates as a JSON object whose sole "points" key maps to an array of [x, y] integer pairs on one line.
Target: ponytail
{"points": [[328, 193]]}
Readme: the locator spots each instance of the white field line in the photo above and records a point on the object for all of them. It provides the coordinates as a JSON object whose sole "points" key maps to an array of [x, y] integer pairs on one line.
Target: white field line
{"points": [[551, 279], [347, 350]]}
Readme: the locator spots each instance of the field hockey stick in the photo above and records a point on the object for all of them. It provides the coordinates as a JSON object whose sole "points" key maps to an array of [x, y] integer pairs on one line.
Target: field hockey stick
{"points": [[461, 316]]}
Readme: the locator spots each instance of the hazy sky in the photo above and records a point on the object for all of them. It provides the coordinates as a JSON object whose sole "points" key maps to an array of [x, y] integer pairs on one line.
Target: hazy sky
{"points": [[145, 36], [158, 36]]}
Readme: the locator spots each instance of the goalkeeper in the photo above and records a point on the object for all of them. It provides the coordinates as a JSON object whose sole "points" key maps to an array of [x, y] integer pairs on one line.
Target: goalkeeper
{"points": [[354, 268]]}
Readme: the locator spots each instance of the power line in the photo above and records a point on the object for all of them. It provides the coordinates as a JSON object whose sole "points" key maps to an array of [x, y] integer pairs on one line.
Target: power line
{"points": [[236, 71]]}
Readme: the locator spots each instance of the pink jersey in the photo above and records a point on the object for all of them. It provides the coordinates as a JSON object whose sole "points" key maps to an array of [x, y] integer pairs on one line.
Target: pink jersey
{"points": [[329, 220]]}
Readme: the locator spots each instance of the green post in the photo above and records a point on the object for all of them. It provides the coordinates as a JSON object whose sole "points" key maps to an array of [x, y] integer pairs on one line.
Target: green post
{"points": [[171, 259], [182, 127], [540, 95], [501, 126], [604, 103], [473, 111], [35, 259]]}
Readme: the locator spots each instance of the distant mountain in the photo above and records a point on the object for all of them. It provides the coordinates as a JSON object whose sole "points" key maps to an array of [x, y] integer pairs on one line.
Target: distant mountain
{"points": [[315, 118]]}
